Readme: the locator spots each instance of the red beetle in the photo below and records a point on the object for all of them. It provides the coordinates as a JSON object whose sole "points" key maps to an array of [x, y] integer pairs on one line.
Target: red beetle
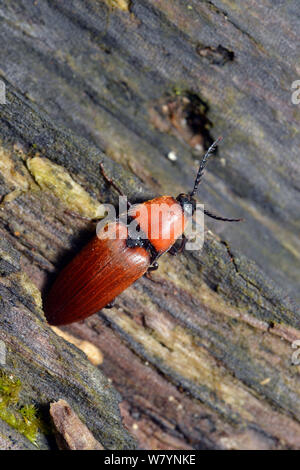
{"points": [[113, 260]]}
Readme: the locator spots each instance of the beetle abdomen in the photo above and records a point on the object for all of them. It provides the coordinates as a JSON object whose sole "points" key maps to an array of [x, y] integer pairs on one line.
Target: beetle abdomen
{"points": [[100, 272]]}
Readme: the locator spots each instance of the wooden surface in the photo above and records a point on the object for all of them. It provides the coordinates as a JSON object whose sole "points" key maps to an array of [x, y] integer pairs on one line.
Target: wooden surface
{"points": [[201, 355]]}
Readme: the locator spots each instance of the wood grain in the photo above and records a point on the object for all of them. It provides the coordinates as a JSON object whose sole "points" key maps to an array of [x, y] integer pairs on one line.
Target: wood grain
{"points": [[202, 354]]}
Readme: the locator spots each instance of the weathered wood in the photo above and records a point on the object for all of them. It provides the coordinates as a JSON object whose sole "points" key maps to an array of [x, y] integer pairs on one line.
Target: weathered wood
{"points": [[71, 433], [202, 353], [101, 72], [45, 367]]}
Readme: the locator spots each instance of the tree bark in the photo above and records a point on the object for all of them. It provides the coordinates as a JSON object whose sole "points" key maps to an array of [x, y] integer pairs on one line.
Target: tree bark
{"points": [[202, 352]]}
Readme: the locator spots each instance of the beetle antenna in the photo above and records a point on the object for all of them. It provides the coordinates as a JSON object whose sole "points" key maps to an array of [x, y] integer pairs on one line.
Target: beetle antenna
{"points": [[203, 164], [218, 217]]}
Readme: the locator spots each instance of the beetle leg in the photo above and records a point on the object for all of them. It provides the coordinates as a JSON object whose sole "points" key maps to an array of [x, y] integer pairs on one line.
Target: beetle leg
{"points": [[174, 250], [111, 304], [151, 268], [154, 267]]}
